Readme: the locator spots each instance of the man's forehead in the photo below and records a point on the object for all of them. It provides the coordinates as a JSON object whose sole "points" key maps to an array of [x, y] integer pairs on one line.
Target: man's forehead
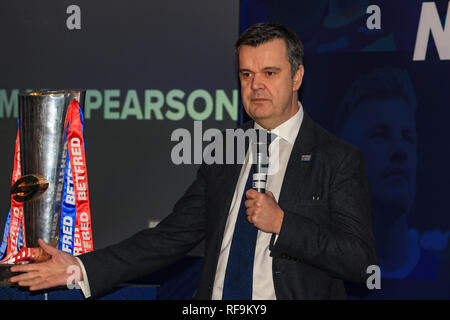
{"points": [[373, 112], [270, 52]]}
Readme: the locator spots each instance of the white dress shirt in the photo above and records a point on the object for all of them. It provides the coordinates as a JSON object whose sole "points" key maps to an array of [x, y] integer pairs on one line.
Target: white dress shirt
{"points": [[84, 284], [263, 288]]}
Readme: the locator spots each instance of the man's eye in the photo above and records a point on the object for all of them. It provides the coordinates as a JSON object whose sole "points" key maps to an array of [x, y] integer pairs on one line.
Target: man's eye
{"points": [[409, 136], [270, 73], [378, 136]]}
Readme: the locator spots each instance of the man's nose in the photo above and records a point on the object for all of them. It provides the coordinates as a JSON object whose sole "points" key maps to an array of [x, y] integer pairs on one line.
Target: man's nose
{"points": [[257, 82], [399, 151], [399, 155]]}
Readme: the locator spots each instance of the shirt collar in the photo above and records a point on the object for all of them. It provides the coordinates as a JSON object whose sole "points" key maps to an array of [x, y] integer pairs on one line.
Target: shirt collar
{"points": [[288, 130]]}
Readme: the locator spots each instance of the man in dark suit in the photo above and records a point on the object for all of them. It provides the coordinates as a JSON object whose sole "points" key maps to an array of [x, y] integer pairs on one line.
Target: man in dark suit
{"points": [[310, 230]]}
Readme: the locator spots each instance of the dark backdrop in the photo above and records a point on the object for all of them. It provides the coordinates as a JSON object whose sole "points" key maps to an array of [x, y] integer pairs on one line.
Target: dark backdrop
{"points": [[125, 46]]}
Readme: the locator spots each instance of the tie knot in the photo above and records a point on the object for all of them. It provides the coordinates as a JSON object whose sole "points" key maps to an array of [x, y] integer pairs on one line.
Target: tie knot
{"points": [[271, 137], [265, 136]]}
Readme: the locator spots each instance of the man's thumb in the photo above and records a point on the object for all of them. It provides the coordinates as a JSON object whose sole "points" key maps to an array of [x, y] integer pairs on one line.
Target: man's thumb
{"points": [[47, 248], [270, 194]]}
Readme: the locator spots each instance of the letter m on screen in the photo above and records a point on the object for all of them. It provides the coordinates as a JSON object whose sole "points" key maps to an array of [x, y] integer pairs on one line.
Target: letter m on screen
{"points": [[431, 23]]}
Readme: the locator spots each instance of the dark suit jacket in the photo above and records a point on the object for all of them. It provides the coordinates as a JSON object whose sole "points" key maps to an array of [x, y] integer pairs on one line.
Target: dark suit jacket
{"points": [[321, 242]]}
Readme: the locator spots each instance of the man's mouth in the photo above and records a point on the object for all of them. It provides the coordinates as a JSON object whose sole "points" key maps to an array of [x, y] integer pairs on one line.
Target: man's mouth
{"points": [[397, 172], [258, 100]]}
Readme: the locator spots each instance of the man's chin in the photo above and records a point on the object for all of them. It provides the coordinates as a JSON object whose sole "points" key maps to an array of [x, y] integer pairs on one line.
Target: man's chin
{"points": [[393, 204], [262, 121], [261, 113]]}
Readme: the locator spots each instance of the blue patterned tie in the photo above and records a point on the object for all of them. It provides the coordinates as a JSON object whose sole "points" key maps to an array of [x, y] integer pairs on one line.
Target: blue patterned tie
{"points": [[239, 273], [238, 282]]}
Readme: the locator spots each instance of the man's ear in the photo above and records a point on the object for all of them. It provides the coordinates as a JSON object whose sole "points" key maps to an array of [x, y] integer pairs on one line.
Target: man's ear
{"points": [[298, 78]]}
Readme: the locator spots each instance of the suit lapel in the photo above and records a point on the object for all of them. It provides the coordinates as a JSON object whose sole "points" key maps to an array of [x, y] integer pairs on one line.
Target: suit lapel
{"points": [[296, 171], [297, 166]]}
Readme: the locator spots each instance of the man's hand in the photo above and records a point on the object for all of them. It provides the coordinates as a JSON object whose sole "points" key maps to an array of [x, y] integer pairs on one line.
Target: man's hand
{"points": [[51, 273], [263, 211]]}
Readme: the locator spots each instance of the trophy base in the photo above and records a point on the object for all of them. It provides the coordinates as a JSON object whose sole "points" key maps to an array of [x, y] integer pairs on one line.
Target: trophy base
{"points": [[5, 274]]}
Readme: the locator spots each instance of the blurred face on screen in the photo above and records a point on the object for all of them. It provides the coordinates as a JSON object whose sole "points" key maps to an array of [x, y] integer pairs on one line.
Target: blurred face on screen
{"points": [[269, 93], [385, 131]]}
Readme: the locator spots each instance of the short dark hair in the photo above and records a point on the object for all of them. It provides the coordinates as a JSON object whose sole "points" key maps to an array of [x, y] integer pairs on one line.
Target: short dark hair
{"points": [[261, 33]]}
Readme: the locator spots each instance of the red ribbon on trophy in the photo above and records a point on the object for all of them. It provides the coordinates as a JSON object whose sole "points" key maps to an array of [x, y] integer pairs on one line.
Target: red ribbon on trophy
{"points": [[83, 232], [76, 239]]}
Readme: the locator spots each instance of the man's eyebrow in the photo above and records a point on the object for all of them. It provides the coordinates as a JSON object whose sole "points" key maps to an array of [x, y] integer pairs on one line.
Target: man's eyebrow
{"points": [[379, 126], [264, 69], [272, 68]]}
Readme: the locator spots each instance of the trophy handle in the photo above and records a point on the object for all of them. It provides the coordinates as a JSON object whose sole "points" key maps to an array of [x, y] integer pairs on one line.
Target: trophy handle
{"points": [[29, 187]]}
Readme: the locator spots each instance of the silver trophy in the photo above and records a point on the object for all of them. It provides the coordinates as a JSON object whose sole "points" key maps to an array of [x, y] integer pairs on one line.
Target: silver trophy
{"points": [[42, 116]]}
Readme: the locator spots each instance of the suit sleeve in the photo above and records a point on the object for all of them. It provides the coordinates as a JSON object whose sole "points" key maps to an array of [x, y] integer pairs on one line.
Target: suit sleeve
{"points": [[345, 246], [151, 249]]}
